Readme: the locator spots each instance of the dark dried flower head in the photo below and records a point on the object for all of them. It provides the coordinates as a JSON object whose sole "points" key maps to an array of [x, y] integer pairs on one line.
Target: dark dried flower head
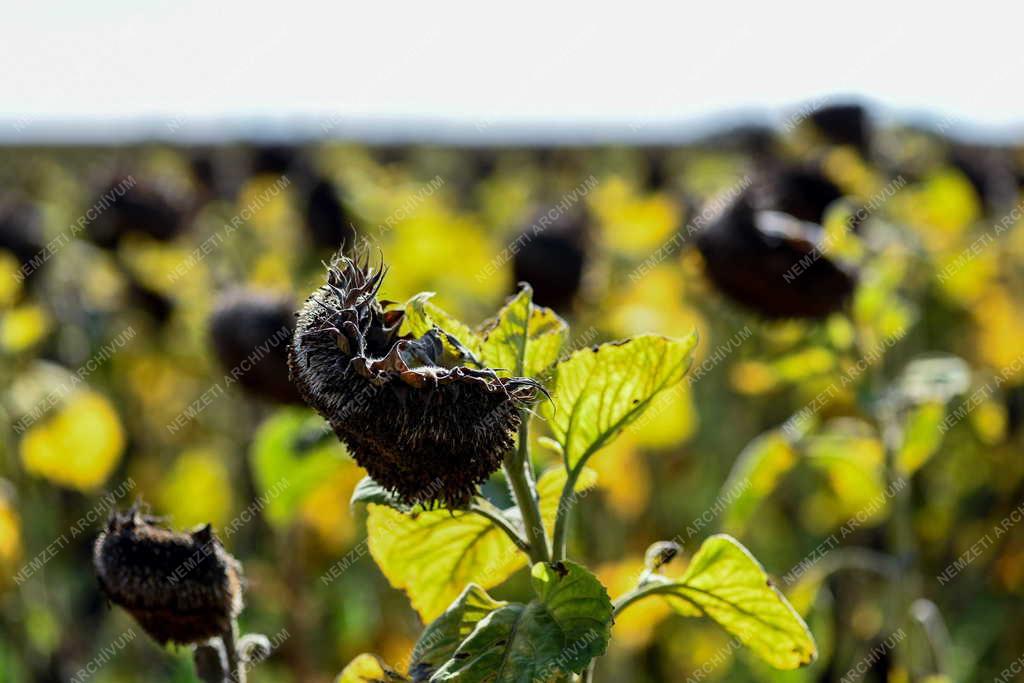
{"points": [[422, 424], [844, 124], [327, 219], [136, 206], [802, 192], [772, 263], [21, 232], [250, 332], [551, 257], [180, 587]]}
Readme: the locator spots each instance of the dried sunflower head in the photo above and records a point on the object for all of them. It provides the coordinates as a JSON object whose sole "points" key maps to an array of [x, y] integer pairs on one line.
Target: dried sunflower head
{"points": [[144, 207], [552, 258], [249, 330], [180, 587], [423, 424], [772, 263]]}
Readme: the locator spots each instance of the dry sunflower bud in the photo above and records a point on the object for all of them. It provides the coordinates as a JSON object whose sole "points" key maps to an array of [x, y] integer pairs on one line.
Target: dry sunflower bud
{"points": [[181, 587], [660, 554], [423, 424]]}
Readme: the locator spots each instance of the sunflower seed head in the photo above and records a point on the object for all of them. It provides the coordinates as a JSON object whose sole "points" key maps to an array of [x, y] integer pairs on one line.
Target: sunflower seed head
{"points": [[424, 427], [180, 587]]}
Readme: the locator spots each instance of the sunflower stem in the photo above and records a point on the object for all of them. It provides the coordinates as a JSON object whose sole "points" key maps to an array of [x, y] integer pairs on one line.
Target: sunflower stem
{"points": [[565, 503], [519, 472], [236, 667]]}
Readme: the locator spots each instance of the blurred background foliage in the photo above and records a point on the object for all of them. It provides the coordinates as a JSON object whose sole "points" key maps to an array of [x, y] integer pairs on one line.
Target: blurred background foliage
{"points": [[92, 424]]}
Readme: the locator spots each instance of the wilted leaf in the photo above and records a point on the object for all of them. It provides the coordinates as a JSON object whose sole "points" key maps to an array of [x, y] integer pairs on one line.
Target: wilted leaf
{"points": [[600, 391], [549, 488]]}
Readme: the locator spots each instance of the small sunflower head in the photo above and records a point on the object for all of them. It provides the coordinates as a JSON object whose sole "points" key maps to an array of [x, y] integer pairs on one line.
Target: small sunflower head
{"points": [[181, 587], [148, 208], [422, 424], [552, 258], [21, 233], [250, 331], [772, 263]]}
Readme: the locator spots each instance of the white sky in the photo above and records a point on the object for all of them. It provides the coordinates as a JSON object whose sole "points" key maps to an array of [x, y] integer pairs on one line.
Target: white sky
{"points": [[474, 69]]}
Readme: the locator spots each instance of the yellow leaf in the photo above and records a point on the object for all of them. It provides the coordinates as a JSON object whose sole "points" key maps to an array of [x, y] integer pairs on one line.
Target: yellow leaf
{"points": [[369, 669], [23, 327], [10, 278], [79, 446], [432, 555]]}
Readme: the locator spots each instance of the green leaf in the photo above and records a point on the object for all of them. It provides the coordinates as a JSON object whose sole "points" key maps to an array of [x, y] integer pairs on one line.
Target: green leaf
{"points": [[421, 316], [433, 554], [922, 436], [369, 491], [293, 446], [726, 583], [557, 634], [757, 472], [439, 641], [523, 339], [368, 668], [600, 391]]}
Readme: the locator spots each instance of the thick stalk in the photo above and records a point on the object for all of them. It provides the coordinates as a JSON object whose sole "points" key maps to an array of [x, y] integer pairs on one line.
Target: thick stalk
{"points": [[236, 667], [519, 472]]}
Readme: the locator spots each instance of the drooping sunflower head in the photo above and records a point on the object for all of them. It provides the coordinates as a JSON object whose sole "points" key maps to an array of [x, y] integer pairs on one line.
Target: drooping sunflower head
{"points": [[180, 587], [414, 413], [773, 263], [249, 330]]}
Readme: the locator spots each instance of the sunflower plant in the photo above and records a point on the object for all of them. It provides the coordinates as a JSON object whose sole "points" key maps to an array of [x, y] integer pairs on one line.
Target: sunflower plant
{"points": [[432, 407]]}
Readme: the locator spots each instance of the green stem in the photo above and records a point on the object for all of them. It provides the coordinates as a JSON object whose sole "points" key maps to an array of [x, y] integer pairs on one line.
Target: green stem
{"points": [[519, 472], [565, 502], [486, 509], [636, 594]]}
